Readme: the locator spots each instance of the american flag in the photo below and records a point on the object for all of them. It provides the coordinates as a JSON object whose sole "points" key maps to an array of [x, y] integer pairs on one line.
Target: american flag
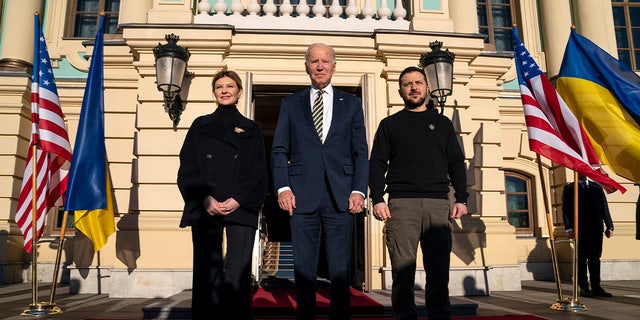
{"points": [[554, 132], [53, 151]]}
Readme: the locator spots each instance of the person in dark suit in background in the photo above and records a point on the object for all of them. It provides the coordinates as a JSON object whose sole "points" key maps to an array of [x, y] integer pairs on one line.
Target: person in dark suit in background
{"points": [[223, 181], [593, 212], [320, 172]]}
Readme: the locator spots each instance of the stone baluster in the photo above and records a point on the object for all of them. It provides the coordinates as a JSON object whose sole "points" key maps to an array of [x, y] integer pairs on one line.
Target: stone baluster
{"points": [[302, 8], [367, 10], [399, 13], [318, 9], [269, 8], [352, 9], [220, 7], [237, 7], [335, 10], [253, 8], [384, 12], [286, 9], [204, 7]]}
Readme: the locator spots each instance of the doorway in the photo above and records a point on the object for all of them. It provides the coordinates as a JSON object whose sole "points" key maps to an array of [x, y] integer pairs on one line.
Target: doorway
{"points": [[277, 258]]}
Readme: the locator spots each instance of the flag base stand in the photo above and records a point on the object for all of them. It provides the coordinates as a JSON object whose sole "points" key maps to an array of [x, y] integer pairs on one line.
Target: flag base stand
{"points": [[567, 305], [42, 309]]}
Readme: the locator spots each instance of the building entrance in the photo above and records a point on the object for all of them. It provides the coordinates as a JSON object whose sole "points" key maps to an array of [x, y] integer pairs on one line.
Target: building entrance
{"points": [[276, 261]]}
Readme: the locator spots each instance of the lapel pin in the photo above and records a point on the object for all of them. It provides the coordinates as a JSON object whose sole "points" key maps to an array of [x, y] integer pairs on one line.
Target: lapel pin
{"points": [[238, 130]]}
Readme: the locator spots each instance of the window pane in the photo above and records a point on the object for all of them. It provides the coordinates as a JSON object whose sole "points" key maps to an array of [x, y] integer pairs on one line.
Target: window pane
{"points": [[518, 219], [637, 56], [618, 17], [501, 16], [88, 5], [514, 184], [622, 41], [112, 5], [634, 15], [110, 24], [500, 1], [503, 39], [85, 26], [517, 202], [482, 15], [624, 57]]}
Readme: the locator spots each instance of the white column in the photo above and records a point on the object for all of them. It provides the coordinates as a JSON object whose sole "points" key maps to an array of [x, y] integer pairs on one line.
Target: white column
{"points": [[170, 11], [556, 26], [464, 15], [594, 20], [134, 11], [17, 49]]}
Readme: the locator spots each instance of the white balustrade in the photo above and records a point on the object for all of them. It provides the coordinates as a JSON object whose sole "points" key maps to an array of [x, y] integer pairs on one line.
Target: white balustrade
{"points": [[281, 14]]}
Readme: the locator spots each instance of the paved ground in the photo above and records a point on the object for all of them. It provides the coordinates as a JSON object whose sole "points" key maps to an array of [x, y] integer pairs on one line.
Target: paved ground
{"points": [[536, 297]]}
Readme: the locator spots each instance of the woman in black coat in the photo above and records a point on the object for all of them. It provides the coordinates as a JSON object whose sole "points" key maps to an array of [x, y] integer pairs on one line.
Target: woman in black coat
{"points": [[223, 181]]}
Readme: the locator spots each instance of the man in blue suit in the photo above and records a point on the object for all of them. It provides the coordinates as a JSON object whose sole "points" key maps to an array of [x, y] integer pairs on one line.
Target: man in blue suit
{"points": [[320, 170]]}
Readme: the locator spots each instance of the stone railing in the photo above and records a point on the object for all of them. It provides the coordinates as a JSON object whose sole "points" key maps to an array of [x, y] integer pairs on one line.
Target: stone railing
{"points": [[301, 16]]}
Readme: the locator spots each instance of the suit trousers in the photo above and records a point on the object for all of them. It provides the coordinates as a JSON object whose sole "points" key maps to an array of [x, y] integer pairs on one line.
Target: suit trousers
{"points": [[307, 231], [425, 221], [589, 253], [221, 287]]}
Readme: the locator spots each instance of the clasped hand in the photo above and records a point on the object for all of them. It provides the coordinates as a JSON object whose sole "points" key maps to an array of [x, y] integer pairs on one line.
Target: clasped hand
{"points": [[224, 208]]}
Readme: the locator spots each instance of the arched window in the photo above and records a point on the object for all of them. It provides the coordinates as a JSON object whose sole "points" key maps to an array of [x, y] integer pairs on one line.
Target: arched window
{"points": [[519, 202]]}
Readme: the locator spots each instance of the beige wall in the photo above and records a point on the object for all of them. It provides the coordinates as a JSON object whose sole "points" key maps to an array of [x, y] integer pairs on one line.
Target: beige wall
{"points": [[142, 146]]}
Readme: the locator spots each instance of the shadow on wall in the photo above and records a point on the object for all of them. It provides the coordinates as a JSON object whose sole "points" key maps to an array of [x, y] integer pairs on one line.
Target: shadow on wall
{"points": [[539, 262]]}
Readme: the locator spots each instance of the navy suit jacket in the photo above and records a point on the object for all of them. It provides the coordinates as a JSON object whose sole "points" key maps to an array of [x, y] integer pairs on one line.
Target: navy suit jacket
{"points": [[300, 160]]}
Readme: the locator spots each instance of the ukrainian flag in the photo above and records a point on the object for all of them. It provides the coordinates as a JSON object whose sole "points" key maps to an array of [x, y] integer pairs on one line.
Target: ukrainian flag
{"points": [[604, 94], [89, 186]]}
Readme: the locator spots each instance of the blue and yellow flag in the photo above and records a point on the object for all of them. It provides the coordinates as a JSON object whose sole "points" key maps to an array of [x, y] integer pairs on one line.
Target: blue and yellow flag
{"points": [[89, 188], [604, 94]]}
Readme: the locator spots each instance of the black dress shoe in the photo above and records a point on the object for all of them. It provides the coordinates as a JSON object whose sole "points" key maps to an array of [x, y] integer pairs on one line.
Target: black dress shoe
{"points": [[586, 293], [601, 293]]}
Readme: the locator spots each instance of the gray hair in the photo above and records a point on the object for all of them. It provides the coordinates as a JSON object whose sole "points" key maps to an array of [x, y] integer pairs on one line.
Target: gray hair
{"points": [[319, 44]]}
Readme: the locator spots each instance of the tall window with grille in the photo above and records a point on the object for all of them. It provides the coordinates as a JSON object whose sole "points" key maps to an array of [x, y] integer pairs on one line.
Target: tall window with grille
{"points": [[495, 20], [626, 21], [83, 17], [519, 204]]}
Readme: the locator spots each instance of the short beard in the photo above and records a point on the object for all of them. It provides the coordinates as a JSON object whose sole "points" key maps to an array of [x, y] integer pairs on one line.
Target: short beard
{"points": [[412, 105]]}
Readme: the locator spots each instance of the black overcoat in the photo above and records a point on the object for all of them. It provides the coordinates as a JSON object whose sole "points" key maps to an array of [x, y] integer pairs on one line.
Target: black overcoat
{"points": [[224, 161]]}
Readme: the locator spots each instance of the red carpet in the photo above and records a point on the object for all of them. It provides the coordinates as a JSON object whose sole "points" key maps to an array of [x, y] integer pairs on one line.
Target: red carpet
{"points": [[506, 317], [271, 302]]}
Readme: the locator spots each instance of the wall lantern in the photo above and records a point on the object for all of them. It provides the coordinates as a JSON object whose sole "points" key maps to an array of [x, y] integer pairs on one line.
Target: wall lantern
{"points": [[438, 66], [171, 66]]}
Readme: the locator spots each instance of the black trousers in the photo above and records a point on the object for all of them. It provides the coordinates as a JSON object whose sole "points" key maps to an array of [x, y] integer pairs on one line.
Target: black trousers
{"points": [[589, 253], [336, 229], [221, 287]]}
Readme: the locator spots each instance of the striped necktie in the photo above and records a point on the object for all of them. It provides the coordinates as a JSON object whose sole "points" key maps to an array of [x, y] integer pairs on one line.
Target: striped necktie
{"points": [[317, 113]]}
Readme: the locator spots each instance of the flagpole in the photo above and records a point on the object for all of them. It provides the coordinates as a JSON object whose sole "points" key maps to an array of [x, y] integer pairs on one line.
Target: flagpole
{"points": [[561, 303], [54, 283], [35, 308], [34, 227], [576, 296]]}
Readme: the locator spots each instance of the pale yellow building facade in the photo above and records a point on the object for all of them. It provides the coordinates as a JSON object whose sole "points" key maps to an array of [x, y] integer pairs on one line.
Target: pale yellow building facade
{"points": [[149, 256]]}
